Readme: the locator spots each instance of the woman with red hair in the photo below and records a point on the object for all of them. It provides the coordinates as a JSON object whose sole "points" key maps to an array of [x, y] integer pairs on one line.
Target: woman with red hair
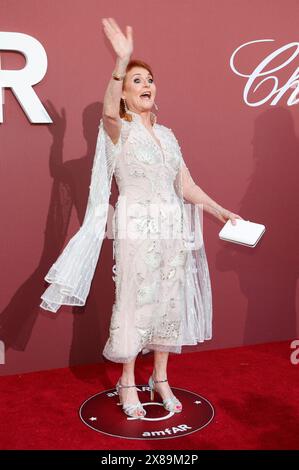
{"points": [[152, 284], [163, 295]]}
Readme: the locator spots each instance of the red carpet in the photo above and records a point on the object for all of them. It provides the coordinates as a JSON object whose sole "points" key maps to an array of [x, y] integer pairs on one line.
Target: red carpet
{"points": [[254, 390]]}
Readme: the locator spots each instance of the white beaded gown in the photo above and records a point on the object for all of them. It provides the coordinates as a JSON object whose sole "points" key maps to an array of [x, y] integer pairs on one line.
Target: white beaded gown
{"points": [[159, 302], [163, 297]]}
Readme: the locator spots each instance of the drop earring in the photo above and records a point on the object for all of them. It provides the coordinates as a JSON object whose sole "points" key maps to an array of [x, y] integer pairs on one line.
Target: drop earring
{"points": [[156, 105], [125, 105]]}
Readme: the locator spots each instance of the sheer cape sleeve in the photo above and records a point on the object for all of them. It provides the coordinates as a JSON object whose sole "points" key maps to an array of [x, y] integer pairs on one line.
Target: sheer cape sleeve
{"points": [[198, 296], [71, 275]]}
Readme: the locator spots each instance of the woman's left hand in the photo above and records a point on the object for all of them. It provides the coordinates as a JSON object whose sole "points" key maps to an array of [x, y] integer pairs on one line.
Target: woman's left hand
{"points": [[224, 215]]}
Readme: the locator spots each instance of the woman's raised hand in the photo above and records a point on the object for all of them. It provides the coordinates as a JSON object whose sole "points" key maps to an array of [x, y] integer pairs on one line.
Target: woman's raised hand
{"points": [[122, 44]]}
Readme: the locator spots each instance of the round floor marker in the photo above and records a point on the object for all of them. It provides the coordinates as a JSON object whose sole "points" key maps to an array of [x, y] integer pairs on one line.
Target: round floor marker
{"points": [[102, 413]]}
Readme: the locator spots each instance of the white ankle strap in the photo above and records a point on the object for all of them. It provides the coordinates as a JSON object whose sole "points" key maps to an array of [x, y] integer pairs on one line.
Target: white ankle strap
{"points": [[158, 381], [126, 386]]}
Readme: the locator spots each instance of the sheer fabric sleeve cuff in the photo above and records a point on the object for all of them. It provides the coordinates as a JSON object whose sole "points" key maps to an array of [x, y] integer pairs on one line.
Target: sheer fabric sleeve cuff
{"points": [[183, 180], [71, 275]]}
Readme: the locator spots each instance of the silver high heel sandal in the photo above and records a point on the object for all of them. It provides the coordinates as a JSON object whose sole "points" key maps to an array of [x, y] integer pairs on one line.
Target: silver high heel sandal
{"points": [[171, 403], [134, 410]]}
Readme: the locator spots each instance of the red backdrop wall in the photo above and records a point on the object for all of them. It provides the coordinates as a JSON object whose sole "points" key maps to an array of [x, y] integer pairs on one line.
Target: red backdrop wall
{"points": [[246, 158]]}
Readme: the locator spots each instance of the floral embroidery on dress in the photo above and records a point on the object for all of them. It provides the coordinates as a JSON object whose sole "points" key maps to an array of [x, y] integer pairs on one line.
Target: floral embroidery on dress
{"points": [[146, 294], [152, 291], [168, 329], [178, 259], [144, 150], [153, 259]]}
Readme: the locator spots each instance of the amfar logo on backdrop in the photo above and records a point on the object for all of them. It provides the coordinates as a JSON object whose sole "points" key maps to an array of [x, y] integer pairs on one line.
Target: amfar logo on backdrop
{"points": [[2, 352], [295, 355], [21, 81], [256, 76]]}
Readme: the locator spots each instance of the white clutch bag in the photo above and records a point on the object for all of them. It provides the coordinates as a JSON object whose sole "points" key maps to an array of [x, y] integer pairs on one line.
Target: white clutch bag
{"points": [[244, 232]]}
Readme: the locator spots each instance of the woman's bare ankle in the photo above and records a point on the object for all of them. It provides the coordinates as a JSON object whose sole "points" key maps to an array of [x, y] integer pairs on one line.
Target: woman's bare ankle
{"points": [[159, 374], [127, 379]]}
